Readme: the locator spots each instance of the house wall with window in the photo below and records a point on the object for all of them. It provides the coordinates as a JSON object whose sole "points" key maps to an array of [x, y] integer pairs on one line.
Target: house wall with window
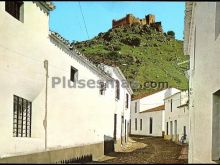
{"points": [[122, 105], [144, 125], [22, 55], [202, 44], [150, 106], [177, 113], [76, 117]]}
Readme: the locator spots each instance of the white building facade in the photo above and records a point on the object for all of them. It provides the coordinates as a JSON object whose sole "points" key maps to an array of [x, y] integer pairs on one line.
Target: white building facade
{"points": [[147, 113], [177, 117], [44, 117], [122, 105], [202, 44]]}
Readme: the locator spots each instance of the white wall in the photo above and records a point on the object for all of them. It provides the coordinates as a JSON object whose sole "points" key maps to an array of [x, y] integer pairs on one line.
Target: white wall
{"points": [[148, 102], [156, 126], [22, 73], [156, 99], [75, 116], [181, 115], [204, 80], [120, 105]]}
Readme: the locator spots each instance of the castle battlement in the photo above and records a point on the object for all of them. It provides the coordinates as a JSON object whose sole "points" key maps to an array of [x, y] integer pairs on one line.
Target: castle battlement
{"points": [[131, 19]]}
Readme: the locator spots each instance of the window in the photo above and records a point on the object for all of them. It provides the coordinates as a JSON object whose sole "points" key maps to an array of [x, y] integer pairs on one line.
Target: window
{"points": [[141, 124], [117, 89], [22, 117], [136, 124], [135, 107], [73, 74], [15, 8], [151, 125], [171, 105], [102, 88], [127, 100], [167, 128]]}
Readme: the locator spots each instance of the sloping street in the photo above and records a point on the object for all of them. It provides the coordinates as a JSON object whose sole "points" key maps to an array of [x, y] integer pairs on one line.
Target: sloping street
{"points": [[148, 150]]}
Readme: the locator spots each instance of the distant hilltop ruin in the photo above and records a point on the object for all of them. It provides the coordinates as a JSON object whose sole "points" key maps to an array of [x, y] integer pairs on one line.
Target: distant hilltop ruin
{"points": [[131, 19]]}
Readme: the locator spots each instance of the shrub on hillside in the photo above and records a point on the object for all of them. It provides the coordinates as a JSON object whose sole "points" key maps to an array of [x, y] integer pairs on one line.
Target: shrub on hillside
{"points": [[171, 33], [132, 41]]}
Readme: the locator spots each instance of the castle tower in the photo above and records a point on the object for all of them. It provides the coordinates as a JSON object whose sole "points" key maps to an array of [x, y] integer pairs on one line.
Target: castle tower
{"points": [[150, 19], [129, 18]]}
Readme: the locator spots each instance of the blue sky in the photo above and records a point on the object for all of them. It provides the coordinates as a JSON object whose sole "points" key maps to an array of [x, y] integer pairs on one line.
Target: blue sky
{"points": [[67, 19]]}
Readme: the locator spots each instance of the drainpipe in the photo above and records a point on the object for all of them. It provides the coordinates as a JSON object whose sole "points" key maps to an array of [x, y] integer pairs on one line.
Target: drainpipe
{"points": [[46, 88]]}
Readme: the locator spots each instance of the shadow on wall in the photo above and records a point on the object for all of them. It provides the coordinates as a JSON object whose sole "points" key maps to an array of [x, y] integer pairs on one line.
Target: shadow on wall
{"points": [[81, 159], [108, 144]]}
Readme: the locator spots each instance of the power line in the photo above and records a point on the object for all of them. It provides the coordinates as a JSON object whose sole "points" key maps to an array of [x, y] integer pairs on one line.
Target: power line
{"points": [[84, 20], [79, 23]]}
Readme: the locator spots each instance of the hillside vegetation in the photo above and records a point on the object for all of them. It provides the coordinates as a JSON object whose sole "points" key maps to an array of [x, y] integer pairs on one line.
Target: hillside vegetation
{"points": [[142, 53]]}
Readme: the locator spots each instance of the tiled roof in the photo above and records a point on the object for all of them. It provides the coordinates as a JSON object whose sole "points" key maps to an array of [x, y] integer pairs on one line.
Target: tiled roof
{"points": [[183, 105], [45, 6], [48, 5], [69, 46], [159, 108]]}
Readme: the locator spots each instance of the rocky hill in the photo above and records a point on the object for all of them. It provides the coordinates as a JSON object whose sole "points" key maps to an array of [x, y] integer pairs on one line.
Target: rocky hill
{"points": [[142, 53]]}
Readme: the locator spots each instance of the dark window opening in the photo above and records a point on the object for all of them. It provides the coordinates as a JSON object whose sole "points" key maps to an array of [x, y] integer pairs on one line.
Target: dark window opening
{"points": [[73, 74], [117, 89], [171, 105], [127, 100], [135, 107], [22, 117], [167, 128], [14, 8]]}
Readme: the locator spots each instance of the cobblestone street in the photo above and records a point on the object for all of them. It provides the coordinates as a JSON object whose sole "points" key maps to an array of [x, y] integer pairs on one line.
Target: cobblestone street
{"points": [[148, 150]]}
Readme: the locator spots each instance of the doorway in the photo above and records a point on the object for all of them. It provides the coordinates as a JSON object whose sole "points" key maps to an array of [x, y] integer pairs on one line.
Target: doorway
{"points": [[216, 127], [115, 127], [171, 128], [151, 125], [125, 130], [122, 126]]}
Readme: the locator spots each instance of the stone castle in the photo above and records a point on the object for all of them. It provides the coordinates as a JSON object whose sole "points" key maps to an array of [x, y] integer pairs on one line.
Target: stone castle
{"points": [[130, 19]]}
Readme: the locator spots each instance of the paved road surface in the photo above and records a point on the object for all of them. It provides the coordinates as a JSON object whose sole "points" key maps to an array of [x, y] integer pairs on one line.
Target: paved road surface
{"points": [[148, 150]]}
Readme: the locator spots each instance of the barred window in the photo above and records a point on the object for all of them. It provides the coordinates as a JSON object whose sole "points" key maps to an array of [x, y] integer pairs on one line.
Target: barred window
{"points": [[22, 117]]}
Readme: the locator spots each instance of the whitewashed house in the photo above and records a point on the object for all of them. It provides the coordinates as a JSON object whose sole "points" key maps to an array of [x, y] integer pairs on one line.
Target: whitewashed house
{"points": [[147, 113], [177, 117], [44, 118], [202, 44], [123, 94]]}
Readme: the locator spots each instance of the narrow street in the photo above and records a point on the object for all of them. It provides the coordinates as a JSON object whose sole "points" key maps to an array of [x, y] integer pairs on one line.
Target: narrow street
{"points": [[148, 150]]}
